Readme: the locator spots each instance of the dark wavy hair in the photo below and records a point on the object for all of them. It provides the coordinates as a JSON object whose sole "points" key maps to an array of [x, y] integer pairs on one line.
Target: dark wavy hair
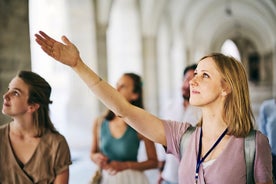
{"points": [[137, 88], [39, 93], [190, 67]]}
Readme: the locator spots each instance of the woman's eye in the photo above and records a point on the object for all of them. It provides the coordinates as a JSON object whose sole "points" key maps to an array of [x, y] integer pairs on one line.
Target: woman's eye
{"points": [[205, 75], [15, 93]]}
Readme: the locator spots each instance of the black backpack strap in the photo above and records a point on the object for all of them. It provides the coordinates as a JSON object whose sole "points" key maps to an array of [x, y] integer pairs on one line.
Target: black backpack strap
{"points": [[185, 139], [249, 151]]}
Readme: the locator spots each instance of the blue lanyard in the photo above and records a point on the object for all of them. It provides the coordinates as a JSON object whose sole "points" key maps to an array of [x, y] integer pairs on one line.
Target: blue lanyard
{"points": [[199, 161]]}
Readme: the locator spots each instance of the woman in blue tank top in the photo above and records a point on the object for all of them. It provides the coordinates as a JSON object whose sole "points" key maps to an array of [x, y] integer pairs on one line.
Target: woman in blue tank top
{"points": [[115, 144]]}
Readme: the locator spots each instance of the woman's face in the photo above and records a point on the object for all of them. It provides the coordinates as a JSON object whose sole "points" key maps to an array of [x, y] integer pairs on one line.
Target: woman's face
{"points": [[16, 98], [206, 86], [125, 87]]}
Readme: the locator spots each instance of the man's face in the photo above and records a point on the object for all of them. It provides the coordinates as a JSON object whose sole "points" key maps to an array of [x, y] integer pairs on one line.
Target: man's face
{"points": [[185, 84]]}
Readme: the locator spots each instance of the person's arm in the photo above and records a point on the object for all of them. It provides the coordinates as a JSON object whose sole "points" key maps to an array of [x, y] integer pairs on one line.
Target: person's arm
{"points": [[136, 117], [95, 155], [62, 178], [95, 138], [262, 120], [151, 162], [263, 160]]}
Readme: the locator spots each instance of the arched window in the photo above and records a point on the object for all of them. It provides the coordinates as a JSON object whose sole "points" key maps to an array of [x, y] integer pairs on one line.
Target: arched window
{"points": [[231, 49], [254, 67]]}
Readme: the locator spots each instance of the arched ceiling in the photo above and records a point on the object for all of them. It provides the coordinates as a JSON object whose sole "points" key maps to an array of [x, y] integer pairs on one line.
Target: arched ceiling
{"points": [[205, 20], [205, 25], [209, 23]]}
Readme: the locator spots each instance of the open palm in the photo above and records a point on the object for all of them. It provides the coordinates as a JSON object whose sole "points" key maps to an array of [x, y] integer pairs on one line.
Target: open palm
{"points": [[66, 53]]}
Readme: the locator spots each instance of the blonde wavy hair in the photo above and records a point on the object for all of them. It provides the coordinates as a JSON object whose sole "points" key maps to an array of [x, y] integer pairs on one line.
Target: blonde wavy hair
{"points": [[237, 112]]}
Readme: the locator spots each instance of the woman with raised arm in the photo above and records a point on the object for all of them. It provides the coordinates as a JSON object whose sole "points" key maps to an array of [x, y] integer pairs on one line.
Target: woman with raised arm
{"points": [[215, 152]]}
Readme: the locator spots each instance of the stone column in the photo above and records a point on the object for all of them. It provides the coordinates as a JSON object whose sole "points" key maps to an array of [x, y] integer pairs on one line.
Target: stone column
{"points": [[274, 72], [14, 43], [101, 55], [74, 106], [150, 79]]}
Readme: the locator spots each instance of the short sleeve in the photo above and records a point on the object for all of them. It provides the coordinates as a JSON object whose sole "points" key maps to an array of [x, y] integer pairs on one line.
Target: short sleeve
{"points": [[174, 130], [263, 159], [63, 157], [262, 119]]}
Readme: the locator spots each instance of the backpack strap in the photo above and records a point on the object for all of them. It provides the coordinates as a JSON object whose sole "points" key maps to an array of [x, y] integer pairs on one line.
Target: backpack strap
{"points": [[185, 139], [249, 151]]}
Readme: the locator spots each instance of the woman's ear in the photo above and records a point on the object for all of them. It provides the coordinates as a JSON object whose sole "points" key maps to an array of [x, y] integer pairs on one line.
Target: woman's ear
{"points": [[226, 89], [33, 107]]}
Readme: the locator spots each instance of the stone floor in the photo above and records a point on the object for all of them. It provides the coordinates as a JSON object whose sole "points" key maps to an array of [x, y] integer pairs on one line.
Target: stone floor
{"points": [[82, 167]]}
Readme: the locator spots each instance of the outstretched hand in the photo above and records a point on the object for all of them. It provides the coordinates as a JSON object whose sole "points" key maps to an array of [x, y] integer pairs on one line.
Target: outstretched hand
{"points": [[66, 53]]}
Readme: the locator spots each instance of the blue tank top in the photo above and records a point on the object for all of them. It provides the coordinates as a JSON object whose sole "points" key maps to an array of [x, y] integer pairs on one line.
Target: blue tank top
{"points": [[124, 148]]}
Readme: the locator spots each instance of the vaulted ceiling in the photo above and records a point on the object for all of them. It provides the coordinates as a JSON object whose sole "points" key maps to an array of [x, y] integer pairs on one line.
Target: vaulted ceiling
{"points": [[208, 23]]}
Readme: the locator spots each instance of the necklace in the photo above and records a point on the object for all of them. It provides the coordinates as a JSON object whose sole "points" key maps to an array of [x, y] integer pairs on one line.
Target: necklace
{"points": [[200, 160]]}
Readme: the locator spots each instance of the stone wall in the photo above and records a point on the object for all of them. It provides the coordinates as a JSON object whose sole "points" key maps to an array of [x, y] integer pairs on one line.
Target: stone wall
{"points": [[14, 43]]}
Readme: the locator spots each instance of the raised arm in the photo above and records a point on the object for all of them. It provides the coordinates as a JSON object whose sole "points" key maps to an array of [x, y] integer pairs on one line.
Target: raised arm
{"points": [[145, 123]]}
